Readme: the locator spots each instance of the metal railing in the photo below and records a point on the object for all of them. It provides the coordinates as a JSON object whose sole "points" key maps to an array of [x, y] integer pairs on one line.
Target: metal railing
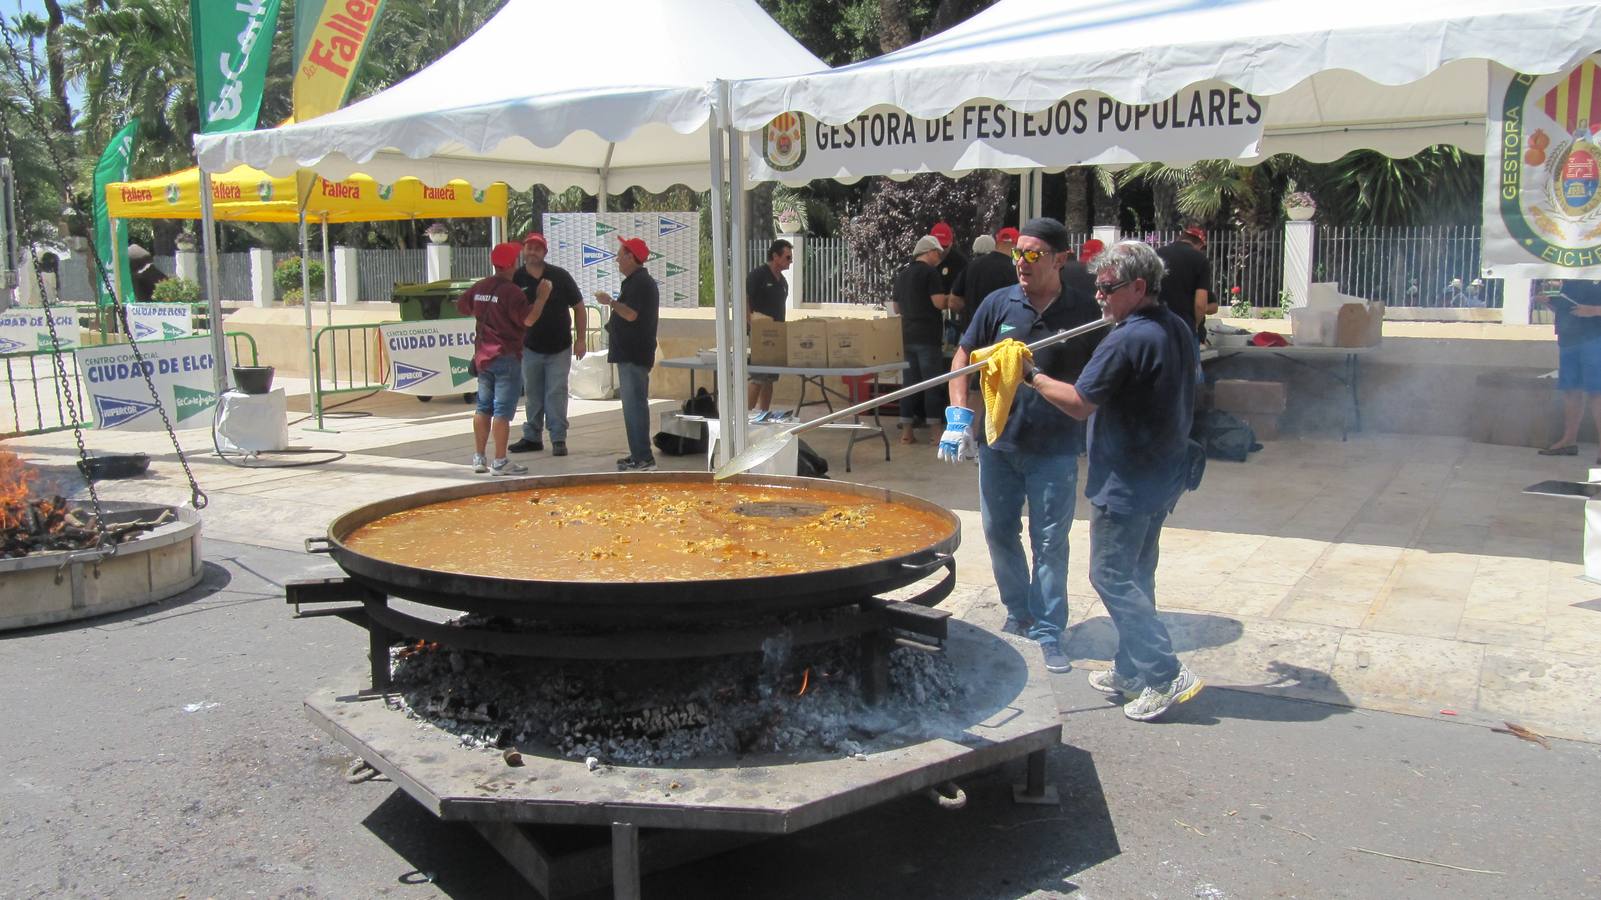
{"points": [[378, 271], [338, 349], [1413, 266]]}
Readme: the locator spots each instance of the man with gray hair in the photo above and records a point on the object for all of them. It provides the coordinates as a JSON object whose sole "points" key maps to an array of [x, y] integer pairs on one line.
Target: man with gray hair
{"points": [[1138, 391]]}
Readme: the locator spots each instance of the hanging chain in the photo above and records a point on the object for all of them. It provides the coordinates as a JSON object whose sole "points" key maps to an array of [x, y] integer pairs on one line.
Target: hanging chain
{"points": [[119, 312]]}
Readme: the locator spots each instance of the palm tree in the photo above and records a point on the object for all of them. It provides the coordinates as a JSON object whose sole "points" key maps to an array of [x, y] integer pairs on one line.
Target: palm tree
{"points": [[1440, 185]]}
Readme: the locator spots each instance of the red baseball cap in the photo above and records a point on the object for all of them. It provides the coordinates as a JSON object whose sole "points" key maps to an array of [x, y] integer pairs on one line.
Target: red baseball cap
{"points": [[534, 237], [1007, 235], [636, 248], [1195, 231], [504, 256], [1090, 248], [943, 234]]}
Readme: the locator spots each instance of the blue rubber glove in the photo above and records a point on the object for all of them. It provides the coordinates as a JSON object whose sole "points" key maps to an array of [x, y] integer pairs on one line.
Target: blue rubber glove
{"points": [[956, 444]]}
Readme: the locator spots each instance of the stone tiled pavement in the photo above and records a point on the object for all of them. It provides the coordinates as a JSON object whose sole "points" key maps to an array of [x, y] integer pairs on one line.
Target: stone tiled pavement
{"points": [[1388, 572]]}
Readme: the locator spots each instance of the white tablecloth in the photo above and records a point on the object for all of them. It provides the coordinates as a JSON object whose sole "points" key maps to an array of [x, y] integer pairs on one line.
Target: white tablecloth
{"points": [[253, 422]]}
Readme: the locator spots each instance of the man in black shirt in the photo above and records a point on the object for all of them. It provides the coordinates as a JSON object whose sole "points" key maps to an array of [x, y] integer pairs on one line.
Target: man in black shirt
{"points": [[983, 276], [953, 261], [548, 348], [632, 349], [919, 295], [767, 294], [1187, 284]]}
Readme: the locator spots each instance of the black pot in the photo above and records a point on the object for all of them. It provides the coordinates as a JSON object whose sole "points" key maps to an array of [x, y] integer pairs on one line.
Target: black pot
{"points": [[253, 379], [119, 465]]}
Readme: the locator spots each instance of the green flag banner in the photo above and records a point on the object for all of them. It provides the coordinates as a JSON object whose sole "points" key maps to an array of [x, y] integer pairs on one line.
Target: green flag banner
{"points": [[232, 40], [113, 166]]}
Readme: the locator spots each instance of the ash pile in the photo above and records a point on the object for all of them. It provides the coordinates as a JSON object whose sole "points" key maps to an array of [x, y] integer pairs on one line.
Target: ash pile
{"points": [[800, 701]]}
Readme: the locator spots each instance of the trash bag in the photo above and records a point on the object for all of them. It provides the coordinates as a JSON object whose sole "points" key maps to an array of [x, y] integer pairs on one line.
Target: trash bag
{"points": [[678, 445], [1224, 436], [703, 404], [809, 463], [592, 378]]}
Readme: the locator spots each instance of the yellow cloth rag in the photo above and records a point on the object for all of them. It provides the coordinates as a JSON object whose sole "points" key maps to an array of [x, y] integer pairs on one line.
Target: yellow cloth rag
{"points": [[1002, 373]]}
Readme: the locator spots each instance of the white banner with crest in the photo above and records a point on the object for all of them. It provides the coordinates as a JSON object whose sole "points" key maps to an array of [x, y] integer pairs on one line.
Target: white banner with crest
{"points": [[1542, 181], [1208, 121]]}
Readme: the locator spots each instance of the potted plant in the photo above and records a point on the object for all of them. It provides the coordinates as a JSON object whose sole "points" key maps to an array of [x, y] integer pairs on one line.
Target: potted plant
{"points": [[1299, 205], [437, 233], [789, 211]]}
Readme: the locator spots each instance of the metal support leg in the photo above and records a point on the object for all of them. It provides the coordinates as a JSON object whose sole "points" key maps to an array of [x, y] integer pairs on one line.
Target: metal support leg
{"points": [[379, 640], [1035, 792], [625, 861], [875, 667]]}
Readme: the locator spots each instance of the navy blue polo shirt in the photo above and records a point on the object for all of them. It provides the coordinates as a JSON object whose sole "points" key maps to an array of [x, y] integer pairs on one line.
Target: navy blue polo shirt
{"points": [[1034, 425], [1142, 382]]}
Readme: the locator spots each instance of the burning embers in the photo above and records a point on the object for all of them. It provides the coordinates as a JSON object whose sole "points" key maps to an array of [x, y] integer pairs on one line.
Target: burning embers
{"points": [[804, 701], [30, 524]]}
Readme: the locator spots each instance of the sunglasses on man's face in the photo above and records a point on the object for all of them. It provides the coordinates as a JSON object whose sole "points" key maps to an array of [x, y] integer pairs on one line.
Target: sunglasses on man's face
{"points": [[1108, 288], [1029, 256]]}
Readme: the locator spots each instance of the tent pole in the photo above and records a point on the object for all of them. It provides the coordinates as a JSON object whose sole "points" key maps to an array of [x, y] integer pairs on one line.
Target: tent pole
{"points": [[738, 306], [327, 274], [605, 177], [208, 246], [305, 305], [719, 222]]}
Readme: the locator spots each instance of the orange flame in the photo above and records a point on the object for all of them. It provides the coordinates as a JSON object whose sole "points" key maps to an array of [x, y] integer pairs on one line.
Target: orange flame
{"points": [[806, 681], [15, 478]]}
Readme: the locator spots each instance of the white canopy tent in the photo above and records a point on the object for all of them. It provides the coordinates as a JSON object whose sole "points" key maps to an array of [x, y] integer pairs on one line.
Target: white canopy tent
{"points": [[1391, 75], [550, 93]]}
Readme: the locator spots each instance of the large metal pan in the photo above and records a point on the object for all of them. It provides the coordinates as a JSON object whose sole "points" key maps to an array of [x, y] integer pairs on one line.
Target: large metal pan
{"points": [[632, 604]]}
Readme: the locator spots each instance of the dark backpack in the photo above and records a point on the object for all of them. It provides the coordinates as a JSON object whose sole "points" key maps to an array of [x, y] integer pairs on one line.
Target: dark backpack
{"points": [[809, 463], [1224, 436], [703, 404]]}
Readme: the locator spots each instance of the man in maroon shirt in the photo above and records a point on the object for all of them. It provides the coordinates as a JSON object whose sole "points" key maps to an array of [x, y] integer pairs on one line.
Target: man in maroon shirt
{"points": [[504, 312]]}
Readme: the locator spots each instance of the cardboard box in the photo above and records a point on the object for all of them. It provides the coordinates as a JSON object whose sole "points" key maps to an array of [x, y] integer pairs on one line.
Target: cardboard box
{"points": [[855, 343], [807, 343], [1264, 425], [1240, 396], [769, 343], [1359, 324]]}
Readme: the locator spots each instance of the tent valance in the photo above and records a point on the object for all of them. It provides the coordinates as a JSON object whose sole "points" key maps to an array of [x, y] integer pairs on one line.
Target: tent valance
{"points": [[245, 194]]}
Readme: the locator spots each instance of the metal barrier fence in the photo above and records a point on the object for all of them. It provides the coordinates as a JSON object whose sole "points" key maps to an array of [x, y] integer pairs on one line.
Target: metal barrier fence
{"points": [[469, 262], [1251, 260], [41, 405], [380, 270], [338, 348], [1406, 266]]}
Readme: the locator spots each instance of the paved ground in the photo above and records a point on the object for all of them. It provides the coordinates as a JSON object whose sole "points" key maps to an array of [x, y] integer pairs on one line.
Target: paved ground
{"points": [[161, 753]]}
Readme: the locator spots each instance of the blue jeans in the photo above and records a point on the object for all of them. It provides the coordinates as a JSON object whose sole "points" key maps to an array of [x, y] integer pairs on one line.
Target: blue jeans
{"points": [[1049, 484], [500, 383], [924, 362], [633, 386], [1123, 554], [545, 381]]}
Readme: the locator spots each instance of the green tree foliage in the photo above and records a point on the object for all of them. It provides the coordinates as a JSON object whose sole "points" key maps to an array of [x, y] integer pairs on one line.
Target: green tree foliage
{"points": [[1442, 185], [882, 235]]}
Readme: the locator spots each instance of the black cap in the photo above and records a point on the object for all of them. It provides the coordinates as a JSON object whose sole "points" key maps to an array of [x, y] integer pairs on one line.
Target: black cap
{"points": [[1048, 230]]}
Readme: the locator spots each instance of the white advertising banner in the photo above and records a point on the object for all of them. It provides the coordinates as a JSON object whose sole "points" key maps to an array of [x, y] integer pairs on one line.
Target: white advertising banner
{"points": [[1542, 183], [160, 321], [1201, 122], [430, 359], [25, 329], [585, 244], [180, 370]]}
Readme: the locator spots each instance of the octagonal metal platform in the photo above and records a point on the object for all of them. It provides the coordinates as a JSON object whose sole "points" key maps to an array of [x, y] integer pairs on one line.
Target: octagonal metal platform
{"points": [[1007, 710]]}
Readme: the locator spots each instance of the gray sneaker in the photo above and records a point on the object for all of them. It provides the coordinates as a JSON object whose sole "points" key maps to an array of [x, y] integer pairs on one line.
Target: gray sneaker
{"points": [[1113, 684], [1055, 660], [479, 465], [1153, 702], [507, 467]]}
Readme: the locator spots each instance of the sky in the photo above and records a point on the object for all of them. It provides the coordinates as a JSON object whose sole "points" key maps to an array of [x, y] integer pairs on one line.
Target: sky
{"points": [[11, 8]]}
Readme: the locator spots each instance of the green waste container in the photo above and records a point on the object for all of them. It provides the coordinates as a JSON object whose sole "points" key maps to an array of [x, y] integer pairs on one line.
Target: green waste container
{"points": [[434, 300]]}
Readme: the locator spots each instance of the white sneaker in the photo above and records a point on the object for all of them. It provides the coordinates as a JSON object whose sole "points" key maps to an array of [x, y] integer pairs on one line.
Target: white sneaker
{"points": [[1153, 702], [507, 467], [479, 465]]}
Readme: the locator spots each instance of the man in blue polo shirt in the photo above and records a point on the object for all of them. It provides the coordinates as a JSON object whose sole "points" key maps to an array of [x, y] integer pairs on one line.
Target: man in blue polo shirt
{"points": [[1035, 457], [1138, 391]]}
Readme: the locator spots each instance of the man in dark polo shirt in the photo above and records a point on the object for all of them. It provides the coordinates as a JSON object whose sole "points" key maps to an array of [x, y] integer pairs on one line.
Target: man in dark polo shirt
{"points": [[918, 296], [632, 348], [767, 294], [1035, 458], [953, 260], [503, 312], [548, 348], [1187, 278], [1138, 391]]}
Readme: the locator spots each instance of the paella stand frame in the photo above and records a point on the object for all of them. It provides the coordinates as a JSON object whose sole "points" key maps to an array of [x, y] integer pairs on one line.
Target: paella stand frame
{"points": [[558, 859]]}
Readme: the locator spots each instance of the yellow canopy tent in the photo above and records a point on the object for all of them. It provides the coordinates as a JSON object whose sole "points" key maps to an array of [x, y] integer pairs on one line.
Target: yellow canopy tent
{"points": [[251, 195]]}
